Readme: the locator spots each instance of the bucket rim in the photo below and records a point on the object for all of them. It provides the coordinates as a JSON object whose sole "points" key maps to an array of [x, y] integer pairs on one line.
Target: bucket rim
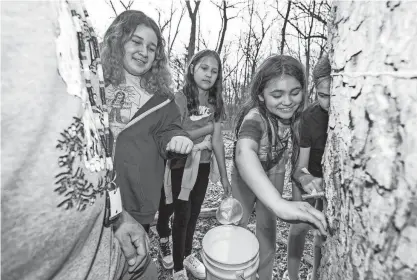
{"points": [[240, 266], [229, 228]]}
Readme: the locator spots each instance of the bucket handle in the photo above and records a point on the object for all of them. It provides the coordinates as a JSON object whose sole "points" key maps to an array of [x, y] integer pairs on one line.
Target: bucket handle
{"points": [[240, 275]]}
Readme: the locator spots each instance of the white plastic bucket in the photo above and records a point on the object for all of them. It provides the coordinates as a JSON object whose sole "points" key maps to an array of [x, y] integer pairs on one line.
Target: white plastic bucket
{"points": [[230, 253]]}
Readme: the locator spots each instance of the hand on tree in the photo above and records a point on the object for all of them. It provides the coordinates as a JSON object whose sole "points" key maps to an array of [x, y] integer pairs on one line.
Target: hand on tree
{"points": [[311, 184], [298, 211], [133, 240], [180, 145], [226, 187]]}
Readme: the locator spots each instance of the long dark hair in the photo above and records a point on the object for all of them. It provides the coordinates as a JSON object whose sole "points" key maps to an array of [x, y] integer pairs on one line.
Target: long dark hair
{"points": [[158, 79], [273, 67], [214, 93], [322, 70]]}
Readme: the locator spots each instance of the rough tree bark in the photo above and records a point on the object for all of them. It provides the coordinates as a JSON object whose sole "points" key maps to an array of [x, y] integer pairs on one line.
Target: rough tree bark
{"points": [[370, 162]]}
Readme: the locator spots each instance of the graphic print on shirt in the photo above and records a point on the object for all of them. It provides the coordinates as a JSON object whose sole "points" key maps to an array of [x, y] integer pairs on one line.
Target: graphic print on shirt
{"points": [[72, 183], [124, 101], [84, 145], [203, 112], [116, 105]]}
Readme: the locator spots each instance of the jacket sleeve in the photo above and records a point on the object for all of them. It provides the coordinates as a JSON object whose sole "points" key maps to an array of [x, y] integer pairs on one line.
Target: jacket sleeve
{"points": [[170, 126], [181, 102]]}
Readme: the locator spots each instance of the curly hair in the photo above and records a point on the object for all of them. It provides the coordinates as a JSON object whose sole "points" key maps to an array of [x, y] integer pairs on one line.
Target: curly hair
{"points": [[190, 89], [273, 67], [158, 79]]}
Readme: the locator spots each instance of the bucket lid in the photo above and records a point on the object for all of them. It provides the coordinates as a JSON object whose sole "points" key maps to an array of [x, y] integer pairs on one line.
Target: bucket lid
{"points": [[229, 244]]}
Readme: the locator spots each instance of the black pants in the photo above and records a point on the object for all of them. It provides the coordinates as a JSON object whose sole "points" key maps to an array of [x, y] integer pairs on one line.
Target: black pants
{"points": [[165, 212], [185, 214], [146, 227]]}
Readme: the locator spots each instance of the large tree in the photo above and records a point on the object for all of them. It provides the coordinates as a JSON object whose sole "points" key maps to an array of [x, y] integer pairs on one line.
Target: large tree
{"points": [[370, 162]]}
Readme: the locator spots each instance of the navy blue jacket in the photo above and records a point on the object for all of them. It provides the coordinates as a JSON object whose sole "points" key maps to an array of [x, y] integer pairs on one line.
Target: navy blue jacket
{"points": [[140, 153]]}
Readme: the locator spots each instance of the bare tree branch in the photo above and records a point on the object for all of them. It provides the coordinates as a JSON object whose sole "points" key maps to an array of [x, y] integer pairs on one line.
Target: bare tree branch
{"points": [[204, 42], [258, 40], [123, 4], [193, 16], [234, 68], [315, 36], [110, 3], [317, 16], [225, 19], [188, 7], [176, 31], [224, 27], [162, 26], [285, 25], [292, 24]]}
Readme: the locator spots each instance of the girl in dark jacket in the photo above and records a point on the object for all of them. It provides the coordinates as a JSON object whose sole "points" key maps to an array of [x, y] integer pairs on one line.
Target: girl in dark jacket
{"points": [[148, 123]]}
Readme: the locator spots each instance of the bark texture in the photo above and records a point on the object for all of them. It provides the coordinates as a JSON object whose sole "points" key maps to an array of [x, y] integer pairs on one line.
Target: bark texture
{"points": [[370, 162]]}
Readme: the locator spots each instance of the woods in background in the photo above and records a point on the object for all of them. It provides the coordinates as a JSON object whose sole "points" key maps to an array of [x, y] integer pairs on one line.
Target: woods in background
{"points": [[296, 28]]}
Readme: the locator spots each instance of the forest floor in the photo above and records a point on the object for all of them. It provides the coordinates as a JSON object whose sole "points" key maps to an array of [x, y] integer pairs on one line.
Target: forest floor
{"points": [[212, 199]]}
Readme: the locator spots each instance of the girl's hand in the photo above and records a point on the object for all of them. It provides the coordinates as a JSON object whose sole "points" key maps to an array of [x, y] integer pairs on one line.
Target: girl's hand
{"points": [[226, 187], [133, 240], [311, 184], [180, 144], [298, 211]]}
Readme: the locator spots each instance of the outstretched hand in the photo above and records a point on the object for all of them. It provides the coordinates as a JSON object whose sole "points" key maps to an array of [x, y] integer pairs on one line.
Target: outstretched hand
{"points": [[134, 242], [311, 184], [180, 144], [298, 211]]}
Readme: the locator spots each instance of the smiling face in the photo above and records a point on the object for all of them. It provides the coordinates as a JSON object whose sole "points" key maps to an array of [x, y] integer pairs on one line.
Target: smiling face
{"points": [[282, 96], [140, 51], [206, 72], [323, 93]]}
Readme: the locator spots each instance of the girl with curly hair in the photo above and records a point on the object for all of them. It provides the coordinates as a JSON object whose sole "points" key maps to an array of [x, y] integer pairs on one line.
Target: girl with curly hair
{"points": [[135, 64]]}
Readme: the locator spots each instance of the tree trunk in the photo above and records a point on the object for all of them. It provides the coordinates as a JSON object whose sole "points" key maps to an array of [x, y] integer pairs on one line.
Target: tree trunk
{"points": [[248, 43], [193, 18], [224, 27], [284, 27], [370, 162], [308, 44]]}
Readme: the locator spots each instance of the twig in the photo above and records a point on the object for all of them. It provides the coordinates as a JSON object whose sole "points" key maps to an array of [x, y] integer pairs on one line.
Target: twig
{"points": [[398, 74], [112, 6]]}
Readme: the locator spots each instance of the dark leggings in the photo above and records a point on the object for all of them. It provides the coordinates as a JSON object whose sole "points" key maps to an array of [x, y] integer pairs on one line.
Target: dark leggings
{"points": [[185, 214], [146, 227], [165, 212]]}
